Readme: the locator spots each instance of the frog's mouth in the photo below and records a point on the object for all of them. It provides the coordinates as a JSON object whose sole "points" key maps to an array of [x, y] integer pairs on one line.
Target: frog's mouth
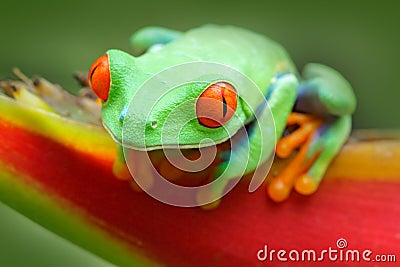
{"points": [[183, 147], [192, 147]]}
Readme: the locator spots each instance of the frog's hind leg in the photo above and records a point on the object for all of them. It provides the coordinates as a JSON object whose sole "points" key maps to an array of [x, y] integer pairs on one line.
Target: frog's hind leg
{"points": [[152, 38], [318, 141], [326, 143], [325, 100], [324, 92]]}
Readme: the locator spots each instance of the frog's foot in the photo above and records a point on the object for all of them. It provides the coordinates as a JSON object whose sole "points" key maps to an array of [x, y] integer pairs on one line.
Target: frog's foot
{"points": [[308, 124], [318, 141], [280, 186], [209, 198], [152, 38], [203, 197], [120, 170]]}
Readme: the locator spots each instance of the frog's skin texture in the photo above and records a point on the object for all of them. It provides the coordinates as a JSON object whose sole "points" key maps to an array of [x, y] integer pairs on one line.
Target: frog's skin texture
{"points": [[321, 99]]}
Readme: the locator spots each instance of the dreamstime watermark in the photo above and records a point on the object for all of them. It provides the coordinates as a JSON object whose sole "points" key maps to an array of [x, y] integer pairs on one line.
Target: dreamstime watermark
{"points": [[162, 115], [339, 253]]}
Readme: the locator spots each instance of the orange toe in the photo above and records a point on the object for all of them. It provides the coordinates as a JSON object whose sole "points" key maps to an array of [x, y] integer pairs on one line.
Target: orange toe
{"points": [[278, 191], [121, 171], [305, 185], [205, 196]]}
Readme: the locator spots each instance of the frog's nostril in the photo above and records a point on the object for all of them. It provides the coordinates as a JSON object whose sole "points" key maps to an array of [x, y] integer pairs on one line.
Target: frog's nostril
{"points": [[153, 124]]}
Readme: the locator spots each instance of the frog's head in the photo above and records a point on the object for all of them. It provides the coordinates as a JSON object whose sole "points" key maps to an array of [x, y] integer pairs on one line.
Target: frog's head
{"points": [[145, 113]]}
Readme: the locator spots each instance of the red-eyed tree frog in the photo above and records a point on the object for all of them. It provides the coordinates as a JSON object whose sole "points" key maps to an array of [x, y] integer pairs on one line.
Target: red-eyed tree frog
{"points": [[317, 104]]}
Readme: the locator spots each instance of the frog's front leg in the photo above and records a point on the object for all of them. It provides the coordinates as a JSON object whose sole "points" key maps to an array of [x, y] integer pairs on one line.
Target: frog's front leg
{"points": [[152, 38], [257, 150], [326, 101], [121, 170]]}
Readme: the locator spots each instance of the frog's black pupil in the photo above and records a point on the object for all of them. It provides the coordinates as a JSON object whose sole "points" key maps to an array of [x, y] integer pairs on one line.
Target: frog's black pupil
{"points": [[224, 106], [91, 74]]}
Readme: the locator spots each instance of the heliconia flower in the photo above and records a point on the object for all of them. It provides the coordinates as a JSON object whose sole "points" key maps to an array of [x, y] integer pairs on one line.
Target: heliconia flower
{"points": [[58, 172]]}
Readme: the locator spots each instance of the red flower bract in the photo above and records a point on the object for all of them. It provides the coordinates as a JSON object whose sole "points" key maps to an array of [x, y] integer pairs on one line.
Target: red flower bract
{"points": [[59, 173]]}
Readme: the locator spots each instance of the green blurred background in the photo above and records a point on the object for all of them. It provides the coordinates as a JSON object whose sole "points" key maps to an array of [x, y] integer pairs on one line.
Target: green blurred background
{"points": [[358, 38], [54, 38]]}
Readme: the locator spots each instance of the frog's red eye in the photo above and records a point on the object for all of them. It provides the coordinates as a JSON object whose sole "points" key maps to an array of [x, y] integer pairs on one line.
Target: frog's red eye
{"points": [[99, 77], [216, 105]]}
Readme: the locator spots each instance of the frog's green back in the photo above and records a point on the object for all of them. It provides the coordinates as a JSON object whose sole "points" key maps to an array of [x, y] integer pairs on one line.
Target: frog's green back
{"points": [[257, 56]]}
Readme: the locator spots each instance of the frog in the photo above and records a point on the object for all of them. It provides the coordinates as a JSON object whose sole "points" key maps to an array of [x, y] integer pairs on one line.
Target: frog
{"points": [[312, 111]]}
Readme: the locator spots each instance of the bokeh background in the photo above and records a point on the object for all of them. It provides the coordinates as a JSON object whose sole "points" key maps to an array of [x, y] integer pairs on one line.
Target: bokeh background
{"points": [[361, 39], [53, 39]]}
